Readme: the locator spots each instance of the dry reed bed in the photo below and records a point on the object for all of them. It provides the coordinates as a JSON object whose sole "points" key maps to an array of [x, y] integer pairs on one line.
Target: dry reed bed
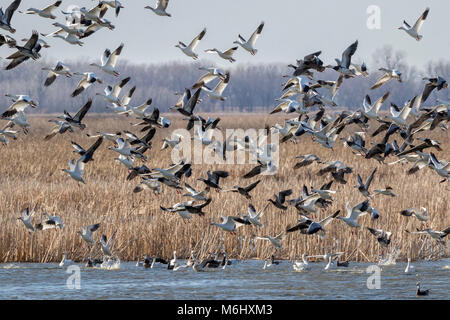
{"points": [[30, 175]]}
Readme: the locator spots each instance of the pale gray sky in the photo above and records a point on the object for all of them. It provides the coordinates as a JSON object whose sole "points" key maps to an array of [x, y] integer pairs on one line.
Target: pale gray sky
{"points": [[292, 29]]}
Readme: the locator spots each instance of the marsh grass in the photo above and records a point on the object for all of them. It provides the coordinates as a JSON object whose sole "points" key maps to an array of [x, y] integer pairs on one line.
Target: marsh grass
{"points": [[31, 176]]}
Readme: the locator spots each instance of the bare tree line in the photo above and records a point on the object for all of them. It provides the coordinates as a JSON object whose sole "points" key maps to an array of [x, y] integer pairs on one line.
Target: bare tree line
{"points": [[253, 88]]}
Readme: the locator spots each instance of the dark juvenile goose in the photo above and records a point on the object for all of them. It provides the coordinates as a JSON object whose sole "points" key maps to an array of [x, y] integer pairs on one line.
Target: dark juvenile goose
{"points": [[213, 178], [280, 199], [76, 120], [244, 190], [87, 155]]}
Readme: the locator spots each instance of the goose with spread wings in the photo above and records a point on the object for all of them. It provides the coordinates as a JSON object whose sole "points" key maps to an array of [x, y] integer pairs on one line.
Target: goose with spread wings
{"points": [[227, 55], [53, 73], [109, 61], [5, 17], [47, 12], [76, 120], [414, 30], [86, 155], [244, 190], [86, 81], [308, 226], [160, 10], [189, 50], [250, 44]]}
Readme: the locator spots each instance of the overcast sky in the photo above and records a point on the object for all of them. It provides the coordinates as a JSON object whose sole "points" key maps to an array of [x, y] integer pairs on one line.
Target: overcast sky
{"points": [[292, 29]]}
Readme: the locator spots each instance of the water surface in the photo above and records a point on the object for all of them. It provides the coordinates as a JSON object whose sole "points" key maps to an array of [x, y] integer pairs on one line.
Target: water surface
{"points": [[241, 280]]}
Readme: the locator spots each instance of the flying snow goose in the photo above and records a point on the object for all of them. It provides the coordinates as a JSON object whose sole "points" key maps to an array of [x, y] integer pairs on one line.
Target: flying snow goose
{"points": [[364, 187], [243, 190], [9, 41], [60, 127], [187, 108], [29, 50], [383, 237], [86, 155], [432, 84], [109, 61], [76, 170], [388, 75], [275, 241], [343, 65], [113, 4], [212, 74], [386, 191], [87, 80], [227, 55], [213, 178], [197, 195], [51, 222], [414, 30], [20, 103], [108, 136], [371, 110], [253, 217], [105, 246], [262, 168], [46, 12], [437, 235], [161, 6], [309, 227], [280, 199], [442, 168], [173, 143], [76, 120], [399, 118], [230, 223], [86, 233], [189, 50], [26, 219], [306, 160], [422, 214], [138, 111], [60, 69], [250, 44], [111, 94], [20, 119], [5, 17], [217, 92], [147, 183], [354, 213]]}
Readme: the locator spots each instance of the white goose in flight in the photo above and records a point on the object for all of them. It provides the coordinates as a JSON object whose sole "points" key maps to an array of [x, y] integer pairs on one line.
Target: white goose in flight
{"points": [[88, 79], [414, 30], [227, 55], [212, 74], [275, 241], [161, 6], [388, 75], [109, 61], [60, 69], [46, 12], [250, 44], [189, 50], [52, 222], [20, 103], [111, 94], [371, 110], [217, 92], [76, 170], [5, 17], [86, 233], [400, 117], [26, 219], [343, 65], [354, 213], [230, 223]]}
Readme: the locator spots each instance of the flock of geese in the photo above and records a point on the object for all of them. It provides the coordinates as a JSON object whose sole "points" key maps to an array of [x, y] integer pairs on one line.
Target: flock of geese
{"points": [[300, 92]]}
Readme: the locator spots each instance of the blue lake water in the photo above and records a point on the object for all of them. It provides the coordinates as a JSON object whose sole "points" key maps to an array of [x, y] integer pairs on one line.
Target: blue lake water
{"points": [[241, 280]]}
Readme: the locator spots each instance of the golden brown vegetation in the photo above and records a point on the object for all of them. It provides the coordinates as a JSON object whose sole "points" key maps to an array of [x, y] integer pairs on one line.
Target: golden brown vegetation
{"points": [[30, 175]]}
